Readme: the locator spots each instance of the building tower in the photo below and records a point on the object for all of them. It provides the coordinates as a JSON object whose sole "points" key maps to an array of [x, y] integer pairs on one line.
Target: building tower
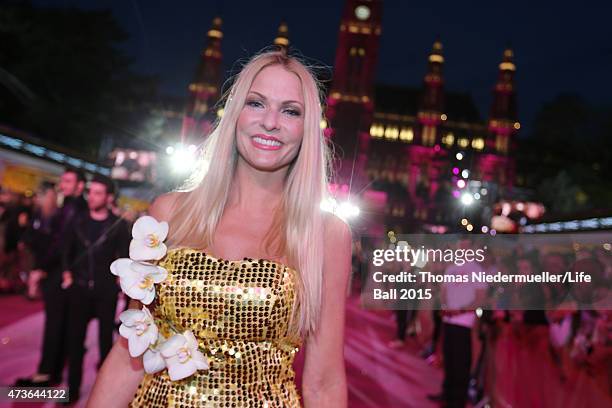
{"points": [[350, 102], [425, 161], [498, 166], [204, 91], [503, 119], [282, 37], [431, 106]]}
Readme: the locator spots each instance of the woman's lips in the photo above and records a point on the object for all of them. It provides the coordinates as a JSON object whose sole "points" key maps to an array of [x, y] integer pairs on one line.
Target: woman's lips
{"points": [[266, 143]]}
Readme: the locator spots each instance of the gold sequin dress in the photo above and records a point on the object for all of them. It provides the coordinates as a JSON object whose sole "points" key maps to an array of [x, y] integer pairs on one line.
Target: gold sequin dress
{"points": [[239, 312]]}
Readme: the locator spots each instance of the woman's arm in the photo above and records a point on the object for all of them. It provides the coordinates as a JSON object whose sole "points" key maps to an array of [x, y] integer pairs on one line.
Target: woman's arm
{"points": [[117, 379], [324, 377], [121, 374]]}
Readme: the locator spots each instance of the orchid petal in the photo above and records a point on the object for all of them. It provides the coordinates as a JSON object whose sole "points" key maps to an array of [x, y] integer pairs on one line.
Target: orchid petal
{"points": [[140, 251], [121, 266], [153, 361]]}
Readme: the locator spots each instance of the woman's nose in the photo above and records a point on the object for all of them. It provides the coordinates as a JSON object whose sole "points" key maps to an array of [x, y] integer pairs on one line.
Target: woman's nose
{"points": [[270, 120]]}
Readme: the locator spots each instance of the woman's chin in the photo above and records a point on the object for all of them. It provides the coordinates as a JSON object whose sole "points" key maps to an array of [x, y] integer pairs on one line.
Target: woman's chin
{"points": [[265, 165]]}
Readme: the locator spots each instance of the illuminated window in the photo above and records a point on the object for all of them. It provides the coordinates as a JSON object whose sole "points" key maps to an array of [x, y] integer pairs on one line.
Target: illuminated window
{"points": [[377, 130], [429, 135], [406, 135], [391, 132], [398, 210], [463, 142], [478, 143], [361, 52], [201, 108], [501, 144], [353, 51], [449, 139]]}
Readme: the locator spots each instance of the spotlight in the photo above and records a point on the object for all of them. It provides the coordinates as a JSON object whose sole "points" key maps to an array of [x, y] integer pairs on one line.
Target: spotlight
{"points": [[347, 210], [459, 156], [467, 199], [182, 160], [344, 210]]}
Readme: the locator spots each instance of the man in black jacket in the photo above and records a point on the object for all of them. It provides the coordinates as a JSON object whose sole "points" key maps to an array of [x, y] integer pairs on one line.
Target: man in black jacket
{"points": [[48, 266], [97, 237]]}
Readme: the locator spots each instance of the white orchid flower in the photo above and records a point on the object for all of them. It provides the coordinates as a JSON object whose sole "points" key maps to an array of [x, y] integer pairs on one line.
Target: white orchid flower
{"points": [[148, 237], [138, 279], [153, 361], [182, 356], [139, 330]]}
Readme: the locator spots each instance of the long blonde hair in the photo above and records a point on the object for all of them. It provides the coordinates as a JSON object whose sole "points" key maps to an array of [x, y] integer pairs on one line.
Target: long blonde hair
{"points": [[298, 226]]}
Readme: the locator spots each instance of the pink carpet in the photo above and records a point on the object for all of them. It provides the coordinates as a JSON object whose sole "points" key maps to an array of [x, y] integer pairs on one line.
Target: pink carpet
{"points": [[377, 375]]}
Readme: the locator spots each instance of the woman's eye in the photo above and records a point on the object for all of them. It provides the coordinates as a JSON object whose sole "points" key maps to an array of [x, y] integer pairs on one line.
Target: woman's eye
{"points": [[255, 104], [293, 112]]}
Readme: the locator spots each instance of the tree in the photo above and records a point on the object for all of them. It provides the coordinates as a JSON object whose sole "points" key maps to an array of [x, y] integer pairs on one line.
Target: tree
{"points": [[567, 158], [63, 77]]}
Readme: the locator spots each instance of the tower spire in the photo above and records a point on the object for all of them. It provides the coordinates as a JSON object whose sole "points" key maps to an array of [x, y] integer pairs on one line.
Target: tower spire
{"points": [[432, 102], [503, 118], [433, 97], [282, 37], [204, 91]]}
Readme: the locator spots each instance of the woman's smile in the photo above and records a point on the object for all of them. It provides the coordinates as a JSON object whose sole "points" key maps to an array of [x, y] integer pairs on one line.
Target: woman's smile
{"points": [[265, 142]]}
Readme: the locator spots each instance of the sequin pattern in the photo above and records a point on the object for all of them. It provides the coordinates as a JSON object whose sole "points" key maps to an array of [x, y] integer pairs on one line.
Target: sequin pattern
{"points": [[239, 311]]}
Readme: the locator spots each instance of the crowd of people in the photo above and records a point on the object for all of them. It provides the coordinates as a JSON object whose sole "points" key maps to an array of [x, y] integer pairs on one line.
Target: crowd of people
{"points": [[514, 344], [62, 254]]}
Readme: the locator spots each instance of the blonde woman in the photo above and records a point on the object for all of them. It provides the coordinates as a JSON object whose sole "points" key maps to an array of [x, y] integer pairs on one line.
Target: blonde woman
{"points": [[255, 269]]}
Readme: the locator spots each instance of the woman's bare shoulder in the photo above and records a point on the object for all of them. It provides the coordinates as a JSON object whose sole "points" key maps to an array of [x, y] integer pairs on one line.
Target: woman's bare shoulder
{"points": [[163, 205], [337, 231]]}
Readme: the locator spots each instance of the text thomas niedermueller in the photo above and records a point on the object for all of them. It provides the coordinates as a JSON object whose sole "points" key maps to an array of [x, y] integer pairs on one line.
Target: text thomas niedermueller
{"points": [[481, 277], [422, 255]]}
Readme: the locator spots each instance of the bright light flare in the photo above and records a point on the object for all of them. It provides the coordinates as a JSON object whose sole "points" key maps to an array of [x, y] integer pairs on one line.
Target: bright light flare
{"points": [[182, 160], [467, 199], [344, 210]]}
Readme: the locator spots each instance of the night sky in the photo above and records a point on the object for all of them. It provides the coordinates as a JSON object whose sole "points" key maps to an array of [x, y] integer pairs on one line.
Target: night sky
{"points": [[559, 46]]}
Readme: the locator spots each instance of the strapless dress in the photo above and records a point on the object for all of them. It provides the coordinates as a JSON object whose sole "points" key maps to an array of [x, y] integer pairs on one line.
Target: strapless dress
{"points": [[239, 311]]}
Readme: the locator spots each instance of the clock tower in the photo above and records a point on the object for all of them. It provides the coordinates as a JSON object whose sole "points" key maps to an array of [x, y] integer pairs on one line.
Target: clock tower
{"points": [[350, 105]]}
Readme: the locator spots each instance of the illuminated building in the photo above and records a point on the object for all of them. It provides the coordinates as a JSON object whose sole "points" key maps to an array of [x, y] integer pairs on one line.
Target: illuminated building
{"points": [[405, 142], [205, 90]]}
